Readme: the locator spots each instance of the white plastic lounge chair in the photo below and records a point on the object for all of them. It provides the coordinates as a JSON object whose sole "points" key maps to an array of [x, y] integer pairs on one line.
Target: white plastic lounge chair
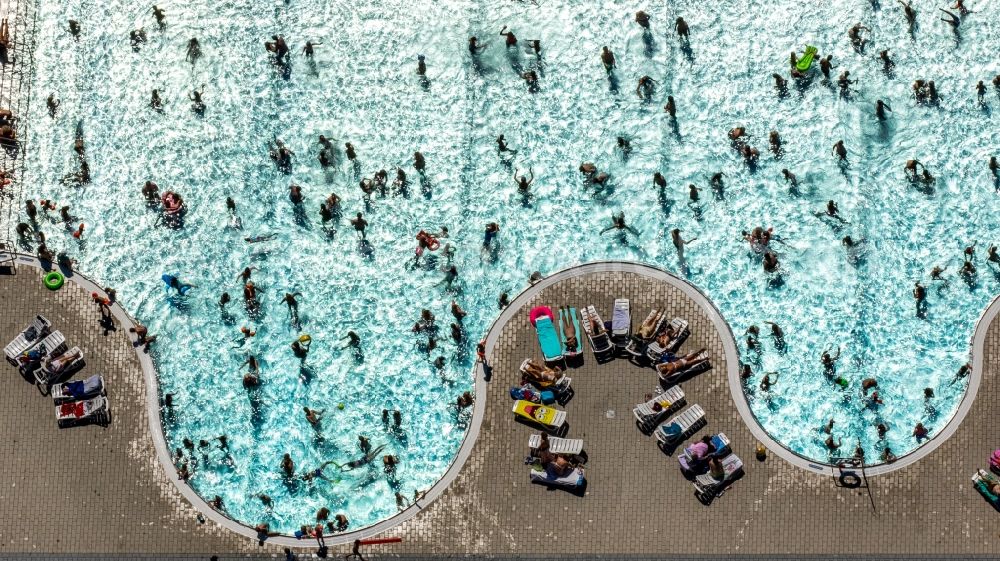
{"points": [[78, 389], [646, 414], [674, 377], [681, 426], [52, 345], [681, 332], [80, 412], [707, 487], [54, 367], [600, 342], [557, 445], [621, 323], [637, 346], [35, 332], [544, 476], [688, 463]]}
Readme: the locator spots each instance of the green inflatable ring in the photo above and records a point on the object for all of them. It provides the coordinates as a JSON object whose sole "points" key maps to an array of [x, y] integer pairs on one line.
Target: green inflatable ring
{"points": [[54, 280]]}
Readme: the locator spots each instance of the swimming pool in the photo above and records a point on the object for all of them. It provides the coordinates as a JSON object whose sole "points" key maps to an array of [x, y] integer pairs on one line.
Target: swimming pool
{"points": [[362, 88]]}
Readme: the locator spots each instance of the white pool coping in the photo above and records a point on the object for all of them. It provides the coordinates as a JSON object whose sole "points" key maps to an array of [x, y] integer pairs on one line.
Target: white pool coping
{"points": [[471, 435]]}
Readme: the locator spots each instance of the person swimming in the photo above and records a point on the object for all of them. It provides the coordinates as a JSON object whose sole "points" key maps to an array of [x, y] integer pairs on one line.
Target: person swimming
{"points": [[364, 460]]}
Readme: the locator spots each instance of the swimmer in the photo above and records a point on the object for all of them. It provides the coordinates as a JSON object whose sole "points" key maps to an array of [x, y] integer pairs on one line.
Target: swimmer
{"points": [[646, 87], [625, 145], [830, 445], [349, 151], [535, 46], [767, 382], [287, 465], [825, 65], [465, 400], [659, 180], [770, 262], [854, 34], [503, 301], [867, 384], [980, 92], [681, 27], [193, 51], [911, 168], [293, 305], [670, 107], [196, 102], [776, 331], [261, 238], [693, 192], [295, 194], [160, 15], [991, 254], [365, 460], [173, 282], [919, 294], [314, 416], [389, 463], [936, 273], [881, 429], [310, 48], [353, 340], [607, 59], [887, 62], [909, 12], [642, 18], [449, 277], [155, 102], [502, 145], [840, 151], [932, 93], [880, 107], [951, 19], [828, 427], [993, 166], [136, 38], [524, 183], [618, 223], [52, 104], [74, 29], [829, 361], [780, 83], [844, 82], [474, 47], [510, 39], [360, 225], [774, 139], [736, 134], [531, 79], [790, 177]]}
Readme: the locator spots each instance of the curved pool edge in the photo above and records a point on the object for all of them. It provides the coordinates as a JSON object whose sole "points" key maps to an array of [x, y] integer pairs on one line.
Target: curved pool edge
{"points": [[163, 454]]}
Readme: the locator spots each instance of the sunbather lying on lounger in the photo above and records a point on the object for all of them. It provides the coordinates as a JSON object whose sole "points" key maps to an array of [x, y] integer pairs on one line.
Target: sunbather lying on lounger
{"points": [[646, 329], [58, 364], [683, 363], [556, 464], [541, 373], [572, 337]]}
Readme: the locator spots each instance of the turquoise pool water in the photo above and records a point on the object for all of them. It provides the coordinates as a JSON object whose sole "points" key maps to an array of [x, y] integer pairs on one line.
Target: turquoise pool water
{"points": [[362, 88]]}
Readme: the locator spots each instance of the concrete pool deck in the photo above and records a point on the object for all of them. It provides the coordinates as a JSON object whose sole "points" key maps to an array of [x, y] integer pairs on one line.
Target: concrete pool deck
{"points": [[116, 499]]}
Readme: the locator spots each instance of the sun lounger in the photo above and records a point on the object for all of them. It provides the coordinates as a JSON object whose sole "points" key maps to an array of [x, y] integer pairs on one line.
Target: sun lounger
{"points": [[707, 487], [674, 377], [557, 445], [649, 414], [681, 332], [78, 389], [690, 464], [681, 426], [560, 385], [539, 414], [637, 346], [570, 314], [52, 345], [79, 412], [599, 342], [621, 323], [52, 368], [547, 476], [548, 339], [35, 332]]}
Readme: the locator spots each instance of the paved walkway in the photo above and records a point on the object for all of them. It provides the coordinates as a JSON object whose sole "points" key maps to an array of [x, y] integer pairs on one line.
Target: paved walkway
{"points": [[107, 481]]}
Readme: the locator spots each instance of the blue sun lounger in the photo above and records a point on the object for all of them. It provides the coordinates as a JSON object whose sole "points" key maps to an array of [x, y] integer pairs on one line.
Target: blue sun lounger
{"points": [[548, 339]]}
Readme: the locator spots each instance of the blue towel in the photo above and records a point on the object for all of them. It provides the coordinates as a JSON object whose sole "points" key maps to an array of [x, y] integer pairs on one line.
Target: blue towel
{"points": [[548, 339]]}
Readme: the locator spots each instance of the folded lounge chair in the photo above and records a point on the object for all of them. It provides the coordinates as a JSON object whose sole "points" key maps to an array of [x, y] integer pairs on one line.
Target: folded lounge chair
{"points": [[548, 339], [570, 314], [35, 332], [707, 487], [681, 426], [557, 445], [621, 323], [52, 345], [547, 476], [671, 378], [649, 414], [78, 389], [599, 342], [52, 368], [543, 415], [681, 332], [80, 412], [690, 464]]}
